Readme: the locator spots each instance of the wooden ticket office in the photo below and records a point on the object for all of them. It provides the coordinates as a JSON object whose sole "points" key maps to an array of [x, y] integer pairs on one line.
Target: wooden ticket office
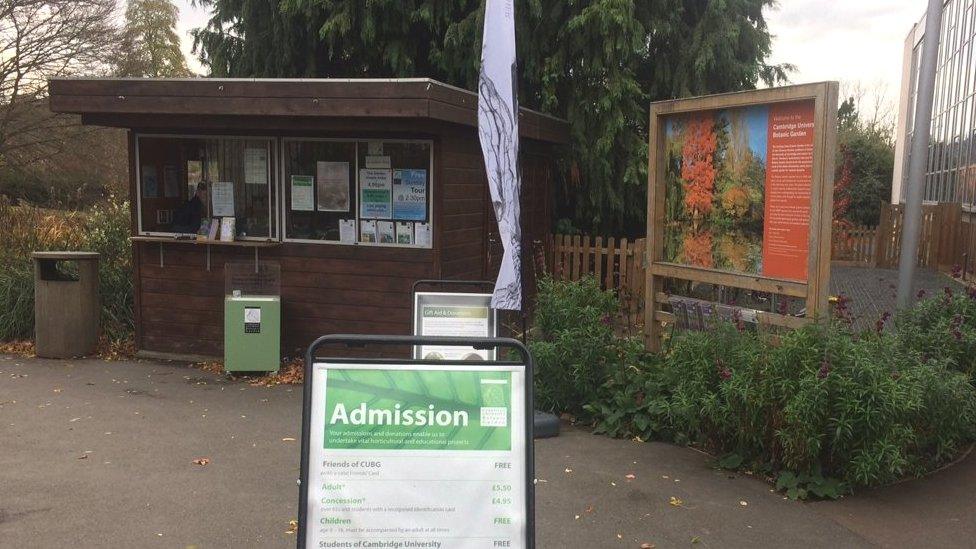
{"points": [[284, 149]]}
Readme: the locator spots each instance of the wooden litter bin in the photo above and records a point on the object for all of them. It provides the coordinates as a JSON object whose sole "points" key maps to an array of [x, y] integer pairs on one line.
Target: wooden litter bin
{"points": [[66, 303]]}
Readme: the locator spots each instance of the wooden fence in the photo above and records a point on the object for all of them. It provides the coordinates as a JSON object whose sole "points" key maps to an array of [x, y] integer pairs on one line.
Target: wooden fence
{"points": [[855, 246], [940, 242], [619, 265], [947, 242]]}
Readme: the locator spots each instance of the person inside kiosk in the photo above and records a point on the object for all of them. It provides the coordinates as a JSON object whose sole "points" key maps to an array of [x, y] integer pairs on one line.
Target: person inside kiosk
{"points": [[187, 218]]}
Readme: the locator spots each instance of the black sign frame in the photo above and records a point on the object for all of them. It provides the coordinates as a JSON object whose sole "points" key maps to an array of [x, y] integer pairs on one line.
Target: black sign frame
{"points": [[359, 341]]}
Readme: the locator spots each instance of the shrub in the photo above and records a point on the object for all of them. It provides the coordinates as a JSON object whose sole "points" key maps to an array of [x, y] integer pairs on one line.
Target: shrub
{"points": [[103, 229], [828, 408], [573, 344], [942, 327]]}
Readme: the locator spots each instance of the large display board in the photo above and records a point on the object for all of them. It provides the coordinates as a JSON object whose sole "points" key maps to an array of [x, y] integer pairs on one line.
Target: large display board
{"points": [[416, 454], [740, 195]]}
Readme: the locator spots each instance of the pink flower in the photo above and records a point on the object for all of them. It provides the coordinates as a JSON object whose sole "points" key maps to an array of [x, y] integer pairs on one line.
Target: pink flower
{"points": [[824, 370], [879, 326]]}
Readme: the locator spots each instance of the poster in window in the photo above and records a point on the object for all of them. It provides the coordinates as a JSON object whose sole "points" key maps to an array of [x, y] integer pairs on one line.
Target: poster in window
{"points": [[410, 195], [150, 183], [302, 193], [347, 231], [379, 162], [256, 165], [222, 199], [367, 231], [384, 231], [404, 233], [375, 193], [227, 229], [171, 181], [422, 234], [332, 180]]}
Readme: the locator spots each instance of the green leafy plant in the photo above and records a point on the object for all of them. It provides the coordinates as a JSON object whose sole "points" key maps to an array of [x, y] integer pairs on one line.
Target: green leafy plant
{"points": [[801, 486], [573, 344], [941, 327], [834, 410]]}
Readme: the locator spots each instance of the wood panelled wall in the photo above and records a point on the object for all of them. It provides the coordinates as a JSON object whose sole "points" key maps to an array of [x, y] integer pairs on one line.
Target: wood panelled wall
{"points": [[324, 289]]}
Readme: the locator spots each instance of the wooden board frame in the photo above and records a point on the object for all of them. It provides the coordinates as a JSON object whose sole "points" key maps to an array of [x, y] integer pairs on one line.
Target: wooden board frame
{"points": [[815, 290]]}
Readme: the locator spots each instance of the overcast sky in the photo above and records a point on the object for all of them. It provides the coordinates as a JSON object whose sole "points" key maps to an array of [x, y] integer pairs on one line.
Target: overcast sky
{"points": [[857, 41]]}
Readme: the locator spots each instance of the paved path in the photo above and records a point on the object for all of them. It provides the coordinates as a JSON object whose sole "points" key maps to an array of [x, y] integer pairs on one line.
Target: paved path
{"points": [[99, 454], [872, 291]]}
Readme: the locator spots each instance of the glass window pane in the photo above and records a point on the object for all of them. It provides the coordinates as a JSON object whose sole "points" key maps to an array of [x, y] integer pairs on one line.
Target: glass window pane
{"points": [[185, 181], [319, 189]]}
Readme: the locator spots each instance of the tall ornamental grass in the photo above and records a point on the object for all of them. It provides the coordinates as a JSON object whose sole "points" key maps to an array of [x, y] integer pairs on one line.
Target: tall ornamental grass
{"points": [[103, 229]]}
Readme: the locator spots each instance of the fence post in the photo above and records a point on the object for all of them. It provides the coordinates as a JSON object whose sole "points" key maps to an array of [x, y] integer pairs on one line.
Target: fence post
{"points": [[585, 256], [598, 261]]}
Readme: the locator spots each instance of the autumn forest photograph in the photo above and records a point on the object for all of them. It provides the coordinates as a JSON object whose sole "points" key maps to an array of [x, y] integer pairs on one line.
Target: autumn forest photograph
{"points": [[715, 177]]}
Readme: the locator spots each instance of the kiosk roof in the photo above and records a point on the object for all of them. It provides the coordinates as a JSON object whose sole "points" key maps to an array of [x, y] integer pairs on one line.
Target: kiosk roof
{"points": [[122, 102]]}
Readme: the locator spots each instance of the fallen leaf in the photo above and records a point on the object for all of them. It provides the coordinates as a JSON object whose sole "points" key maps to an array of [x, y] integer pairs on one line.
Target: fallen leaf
{"points": [[743, 503], [288, 439], [647, 546], [630, 476], [568, 470], [675, 501], [292, 527], [696, 539], [589, 509], [84, 456], [620, 536], [201, 461]]}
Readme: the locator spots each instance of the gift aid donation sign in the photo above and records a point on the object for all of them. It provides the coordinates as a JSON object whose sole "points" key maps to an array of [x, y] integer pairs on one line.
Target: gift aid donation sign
{"points": [[789, 178], [417, 456]]}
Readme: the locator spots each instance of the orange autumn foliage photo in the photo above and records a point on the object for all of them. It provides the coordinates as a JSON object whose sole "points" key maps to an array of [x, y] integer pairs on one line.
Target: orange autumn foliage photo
{"points": [[697, 166], [715, 181]]}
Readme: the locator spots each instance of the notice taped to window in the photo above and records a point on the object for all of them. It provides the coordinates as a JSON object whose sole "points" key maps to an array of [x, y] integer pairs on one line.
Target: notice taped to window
{"points": [[416, 455]]}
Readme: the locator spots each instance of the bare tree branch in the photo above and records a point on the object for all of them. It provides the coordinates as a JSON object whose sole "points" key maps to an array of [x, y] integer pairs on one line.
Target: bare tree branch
{"points": [[40, 40]]}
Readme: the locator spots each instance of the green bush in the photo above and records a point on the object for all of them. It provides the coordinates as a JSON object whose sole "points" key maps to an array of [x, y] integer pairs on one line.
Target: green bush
{"points": [[942, 327], [832, 410], [103, 229], [573, 344]]}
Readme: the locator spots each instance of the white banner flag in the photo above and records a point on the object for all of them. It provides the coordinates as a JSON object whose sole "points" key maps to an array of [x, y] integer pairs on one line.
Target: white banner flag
{"points": [[498, 129]]}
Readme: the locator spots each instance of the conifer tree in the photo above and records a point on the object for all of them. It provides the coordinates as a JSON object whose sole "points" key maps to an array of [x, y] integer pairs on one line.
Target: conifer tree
{"points": [[597, 63], [150, 45]]}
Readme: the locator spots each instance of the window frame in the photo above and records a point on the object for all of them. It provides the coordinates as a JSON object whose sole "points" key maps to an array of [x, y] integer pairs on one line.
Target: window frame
{"points": [[284, 140], [273, 223]]}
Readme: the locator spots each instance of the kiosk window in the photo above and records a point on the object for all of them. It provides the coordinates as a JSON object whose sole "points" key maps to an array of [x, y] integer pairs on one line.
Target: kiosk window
{"points": [[319, 189], [183, 181], [358, 192]]}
